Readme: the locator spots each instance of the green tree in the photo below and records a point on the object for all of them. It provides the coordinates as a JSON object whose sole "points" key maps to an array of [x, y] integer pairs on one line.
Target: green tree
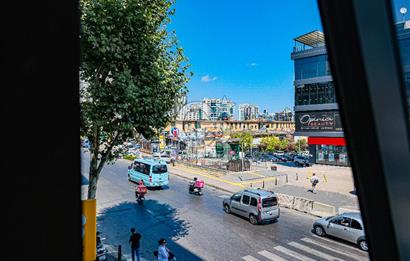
{"points": [[301, 145], [133, 70], [246, 139], [270, 143]]}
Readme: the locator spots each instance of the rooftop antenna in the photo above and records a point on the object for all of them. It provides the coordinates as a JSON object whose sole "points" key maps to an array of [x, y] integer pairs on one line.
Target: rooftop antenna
{"points": [[403, 12]]}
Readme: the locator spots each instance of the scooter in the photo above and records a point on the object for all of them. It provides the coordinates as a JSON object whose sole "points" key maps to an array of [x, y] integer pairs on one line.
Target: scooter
{"points": [[194, 190], [101, 250], [140, 197]]}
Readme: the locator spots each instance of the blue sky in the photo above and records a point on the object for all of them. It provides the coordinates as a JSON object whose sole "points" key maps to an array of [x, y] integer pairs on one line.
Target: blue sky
{"points": [[241, 48]]}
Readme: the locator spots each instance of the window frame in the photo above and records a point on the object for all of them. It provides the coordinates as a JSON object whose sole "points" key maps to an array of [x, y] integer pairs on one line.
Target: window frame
{"points": [[360, 71]]}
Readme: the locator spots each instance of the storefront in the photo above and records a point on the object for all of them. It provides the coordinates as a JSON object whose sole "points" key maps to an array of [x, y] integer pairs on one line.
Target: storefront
{"points": [[325, 136], [328, 151]]}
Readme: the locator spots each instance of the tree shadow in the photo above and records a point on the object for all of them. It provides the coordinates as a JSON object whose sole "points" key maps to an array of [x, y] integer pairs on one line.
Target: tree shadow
{"points": [[288, 164], [153, 220]]}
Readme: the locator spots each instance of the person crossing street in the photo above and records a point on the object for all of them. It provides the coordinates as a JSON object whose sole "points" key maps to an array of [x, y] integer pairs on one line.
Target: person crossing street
{"points": [[314, 180]]}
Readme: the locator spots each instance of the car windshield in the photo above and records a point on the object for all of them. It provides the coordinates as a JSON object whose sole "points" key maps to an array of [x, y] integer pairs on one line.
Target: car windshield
{"points": [[269, 202], [159, 169]]}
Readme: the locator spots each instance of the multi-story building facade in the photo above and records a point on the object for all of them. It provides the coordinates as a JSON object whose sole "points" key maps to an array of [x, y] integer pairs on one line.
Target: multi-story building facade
{"points": [[237, 126], [316, 110], [285, 115], [218, 109], [248, 112], [192, 111]]}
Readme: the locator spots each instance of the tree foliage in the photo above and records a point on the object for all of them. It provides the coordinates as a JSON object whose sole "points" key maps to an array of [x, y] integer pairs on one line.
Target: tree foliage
{"points": [[133, 70], [246, 139], [301, 145], [272, 143]]}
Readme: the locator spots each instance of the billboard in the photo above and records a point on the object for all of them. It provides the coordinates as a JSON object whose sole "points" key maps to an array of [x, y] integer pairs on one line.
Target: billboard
{"points": [[318, 121]]}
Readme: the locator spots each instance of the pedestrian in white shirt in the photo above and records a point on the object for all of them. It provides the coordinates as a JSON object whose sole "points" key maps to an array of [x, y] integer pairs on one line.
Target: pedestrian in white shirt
{"points": [[163, 252], [314, 180]]}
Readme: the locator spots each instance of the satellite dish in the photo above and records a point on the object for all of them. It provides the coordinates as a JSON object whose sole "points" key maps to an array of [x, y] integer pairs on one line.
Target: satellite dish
{"points": [[403, 10]]}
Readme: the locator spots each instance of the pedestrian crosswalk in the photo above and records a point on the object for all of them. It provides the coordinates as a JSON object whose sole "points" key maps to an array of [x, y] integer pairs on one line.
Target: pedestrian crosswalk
{"points": [[309, 249]]}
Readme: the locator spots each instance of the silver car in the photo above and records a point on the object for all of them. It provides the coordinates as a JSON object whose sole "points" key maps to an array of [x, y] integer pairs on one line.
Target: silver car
{"points": [[347, 226], [256, 204]]}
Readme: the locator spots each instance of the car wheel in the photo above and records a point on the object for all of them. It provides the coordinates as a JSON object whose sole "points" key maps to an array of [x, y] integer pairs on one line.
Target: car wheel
{"points": [[319, 231], [253, 220], [363, 245], [227, 209]]}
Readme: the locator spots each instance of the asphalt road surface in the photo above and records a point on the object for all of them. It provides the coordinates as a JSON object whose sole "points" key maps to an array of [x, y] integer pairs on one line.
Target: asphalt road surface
{"points": [[197, 228]]}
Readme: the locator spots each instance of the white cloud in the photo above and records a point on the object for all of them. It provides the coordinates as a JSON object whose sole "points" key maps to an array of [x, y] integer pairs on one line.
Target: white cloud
{"points": [[253, 64], [207, 78]]}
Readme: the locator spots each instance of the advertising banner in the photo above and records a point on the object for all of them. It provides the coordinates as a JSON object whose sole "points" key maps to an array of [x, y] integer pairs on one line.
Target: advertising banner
{"points": [[318, 121], [89, 234]]}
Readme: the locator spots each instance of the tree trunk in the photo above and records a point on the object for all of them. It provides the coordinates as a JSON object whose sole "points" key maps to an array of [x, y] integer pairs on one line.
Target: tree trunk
{"points": [[93, 176], [96, 167]]}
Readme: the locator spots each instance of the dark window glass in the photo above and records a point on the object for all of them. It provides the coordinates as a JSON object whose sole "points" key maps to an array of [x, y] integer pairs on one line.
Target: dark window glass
{"points": [[159, 169], [343, 221], [254, 202], [236, 197], [317, 93], [311, 67], [356, 225], [269, 202], [245, 199], [142, 167]]}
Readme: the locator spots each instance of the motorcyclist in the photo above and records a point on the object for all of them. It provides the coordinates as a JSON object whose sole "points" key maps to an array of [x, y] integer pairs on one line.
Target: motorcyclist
{"points": [[141, 189], [192, 184]]}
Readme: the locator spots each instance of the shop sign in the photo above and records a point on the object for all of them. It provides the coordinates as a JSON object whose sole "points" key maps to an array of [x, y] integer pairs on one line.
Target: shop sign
{"points": [[318, 121]]}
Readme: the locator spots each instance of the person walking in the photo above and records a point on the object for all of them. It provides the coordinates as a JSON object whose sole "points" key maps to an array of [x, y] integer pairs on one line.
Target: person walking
{"points": [[135, 244], [164, 254], [314, 180]]}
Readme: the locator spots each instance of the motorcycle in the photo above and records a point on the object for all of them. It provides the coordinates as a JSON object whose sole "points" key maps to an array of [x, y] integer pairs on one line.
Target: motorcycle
{"points": [[140, 197], [101, 250], [196, 187]]}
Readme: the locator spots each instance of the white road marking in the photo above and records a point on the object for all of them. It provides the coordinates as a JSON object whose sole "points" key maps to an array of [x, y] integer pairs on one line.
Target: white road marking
{"points": [[271, 256], [250, 258], [336, 242], [314, 242], [293, 253], [313, 251]]}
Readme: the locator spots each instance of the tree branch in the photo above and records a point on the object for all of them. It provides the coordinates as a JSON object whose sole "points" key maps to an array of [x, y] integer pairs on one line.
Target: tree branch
{"points": [[105, 155]]}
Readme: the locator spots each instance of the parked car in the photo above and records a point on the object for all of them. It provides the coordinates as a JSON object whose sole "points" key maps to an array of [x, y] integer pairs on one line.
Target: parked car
{"points": [[256, 204], [301, 161], [347, 226]]}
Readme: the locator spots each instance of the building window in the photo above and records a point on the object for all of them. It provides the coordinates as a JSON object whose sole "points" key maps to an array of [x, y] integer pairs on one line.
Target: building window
{"points": [[311, 67], [332, 155], [315, 93]]}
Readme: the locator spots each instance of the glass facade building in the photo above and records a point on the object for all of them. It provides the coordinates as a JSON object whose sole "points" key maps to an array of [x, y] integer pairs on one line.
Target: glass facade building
{"points": [[311, 67], [316, 110]]}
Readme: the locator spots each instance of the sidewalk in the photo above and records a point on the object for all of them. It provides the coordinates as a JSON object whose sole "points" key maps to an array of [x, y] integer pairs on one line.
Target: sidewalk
{"points": [[275, 181]]}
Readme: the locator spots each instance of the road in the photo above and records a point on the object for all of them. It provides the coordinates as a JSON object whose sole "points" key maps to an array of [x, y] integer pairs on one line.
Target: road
{"points": [[198, 229]]}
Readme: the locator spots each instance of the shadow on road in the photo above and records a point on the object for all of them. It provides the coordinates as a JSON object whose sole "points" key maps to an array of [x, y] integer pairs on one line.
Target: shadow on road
{"points": [[289, 164], [152, 220]]}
